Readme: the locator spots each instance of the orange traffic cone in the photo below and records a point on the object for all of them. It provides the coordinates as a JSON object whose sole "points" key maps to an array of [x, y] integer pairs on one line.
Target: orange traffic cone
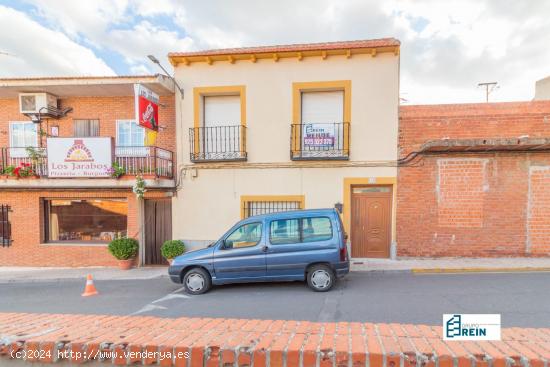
{"points": [[90, 287]]}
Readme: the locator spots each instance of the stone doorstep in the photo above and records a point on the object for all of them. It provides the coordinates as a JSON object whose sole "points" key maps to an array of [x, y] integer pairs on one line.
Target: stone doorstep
{"points": [[131, 340]]}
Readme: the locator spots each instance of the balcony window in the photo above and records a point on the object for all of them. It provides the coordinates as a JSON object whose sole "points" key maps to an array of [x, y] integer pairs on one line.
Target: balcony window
{"points": [[22, 134], [219, 132], [320, 129], [130, 139], [90, 220]]}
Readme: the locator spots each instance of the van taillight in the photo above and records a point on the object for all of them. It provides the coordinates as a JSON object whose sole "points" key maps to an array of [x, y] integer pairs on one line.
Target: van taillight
{"points": [[343, 253]]}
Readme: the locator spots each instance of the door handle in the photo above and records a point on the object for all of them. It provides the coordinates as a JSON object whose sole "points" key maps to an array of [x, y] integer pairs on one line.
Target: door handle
{"points": [[265, 248]]}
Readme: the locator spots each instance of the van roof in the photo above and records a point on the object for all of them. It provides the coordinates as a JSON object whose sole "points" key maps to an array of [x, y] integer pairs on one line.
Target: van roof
{"points": [[294, 213]]}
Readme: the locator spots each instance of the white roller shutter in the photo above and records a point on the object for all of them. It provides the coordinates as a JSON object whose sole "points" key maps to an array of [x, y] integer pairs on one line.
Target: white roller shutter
{"points": [[222, 132], [222, 111], [322, 107]]}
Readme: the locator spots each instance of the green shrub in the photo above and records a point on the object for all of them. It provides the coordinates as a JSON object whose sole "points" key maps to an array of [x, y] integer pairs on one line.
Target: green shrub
{"points": [[124, 248], [172, 248]]}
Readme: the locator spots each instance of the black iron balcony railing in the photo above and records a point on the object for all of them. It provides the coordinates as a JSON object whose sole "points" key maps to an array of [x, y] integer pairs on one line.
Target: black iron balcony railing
{"points": [[218, 143], [323, 141], [145, 160]]}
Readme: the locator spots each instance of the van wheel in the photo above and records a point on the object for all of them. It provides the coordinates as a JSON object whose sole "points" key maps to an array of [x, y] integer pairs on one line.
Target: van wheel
{"points": [[197, 281], [320, 278]]}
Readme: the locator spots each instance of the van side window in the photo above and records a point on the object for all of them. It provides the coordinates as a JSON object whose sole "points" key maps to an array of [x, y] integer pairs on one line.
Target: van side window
{"points": [[287, 231], [247, 235], [316, 229]]}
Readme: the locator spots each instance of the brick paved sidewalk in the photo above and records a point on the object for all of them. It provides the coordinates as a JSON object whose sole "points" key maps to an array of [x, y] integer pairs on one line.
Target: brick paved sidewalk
{"points": [[229, 342]]}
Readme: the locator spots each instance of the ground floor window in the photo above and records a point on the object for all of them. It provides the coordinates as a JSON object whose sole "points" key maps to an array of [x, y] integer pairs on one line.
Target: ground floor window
{"points": [[89, 220], [256, 205]]}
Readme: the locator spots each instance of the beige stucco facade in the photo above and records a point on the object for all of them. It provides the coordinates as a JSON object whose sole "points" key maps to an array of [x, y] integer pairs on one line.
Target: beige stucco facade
{"points": [[542, 89], [211, 194]]}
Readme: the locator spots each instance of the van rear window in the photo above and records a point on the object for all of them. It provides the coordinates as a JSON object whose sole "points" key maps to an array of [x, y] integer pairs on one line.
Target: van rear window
{"points": [[312, 229]]}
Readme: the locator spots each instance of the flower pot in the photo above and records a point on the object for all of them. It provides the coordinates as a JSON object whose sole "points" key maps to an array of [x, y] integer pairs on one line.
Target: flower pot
{"points": [[125, 264], [170, 261]]}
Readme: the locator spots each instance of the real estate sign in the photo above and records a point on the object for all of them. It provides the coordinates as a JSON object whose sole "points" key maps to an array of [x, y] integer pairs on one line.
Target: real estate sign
{"points": [[147, 107], [79, 157], [319, 135]]}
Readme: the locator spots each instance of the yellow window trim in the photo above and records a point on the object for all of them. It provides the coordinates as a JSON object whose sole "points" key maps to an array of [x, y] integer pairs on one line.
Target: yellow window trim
{"points": [[335, 85], [199, 92], [271, 198], [362, 181]]}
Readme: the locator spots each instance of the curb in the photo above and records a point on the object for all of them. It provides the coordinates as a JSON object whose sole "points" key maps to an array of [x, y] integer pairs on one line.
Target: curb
{"points": [[478, 270], [79, 278]]}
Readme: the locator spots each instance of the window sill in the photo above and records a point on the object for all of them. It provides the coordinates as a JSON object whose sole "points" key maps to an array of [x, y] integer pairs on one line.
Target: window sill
{"points": [[75, 244]]}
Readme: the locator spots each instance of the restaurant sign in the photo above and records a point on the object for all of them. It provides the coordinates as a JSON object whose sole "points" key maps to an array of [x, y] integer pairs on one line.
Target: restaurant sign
{"points": [[147, 107], [319, 135], [79, 157]]}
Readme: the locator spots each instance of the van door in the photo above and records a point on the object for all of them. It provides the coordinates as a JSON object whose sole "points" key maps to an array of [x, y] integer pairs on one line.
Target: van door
{"points": [[296, 243], [241, 255]]}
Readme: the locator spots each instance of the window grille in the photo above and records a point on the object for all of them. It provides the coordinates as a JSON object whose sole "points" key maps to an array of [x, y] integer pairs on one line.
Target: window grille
{"points": [[251, 208]]}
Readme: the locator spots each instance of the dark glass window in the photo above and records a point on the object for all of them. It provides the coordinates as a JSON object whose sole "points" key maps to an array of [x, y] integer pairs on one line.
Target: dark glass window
{"points": [[247, 235], [316, 229], [300, 230], [285, 231], [90, 220]]}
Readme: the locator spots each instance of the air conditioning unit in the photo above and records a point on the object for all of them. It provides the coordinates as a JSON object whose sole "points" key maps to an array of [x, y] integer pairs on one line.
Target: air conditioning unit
{"points": [[36, 102]]}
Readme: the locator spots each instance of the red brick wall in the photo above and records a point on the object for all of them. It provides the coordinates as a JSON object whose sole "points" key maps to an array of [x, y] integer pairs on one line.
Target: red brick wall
{"points": [[27, 248], [539, 210], [27, 223], [106, 109], [474, 204]]}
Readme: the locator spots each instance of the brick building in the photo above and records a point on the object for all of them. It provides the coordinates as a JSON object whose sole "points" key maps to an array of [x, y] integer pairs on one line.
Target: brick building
{"points": [[68, 221], [475, 180]]}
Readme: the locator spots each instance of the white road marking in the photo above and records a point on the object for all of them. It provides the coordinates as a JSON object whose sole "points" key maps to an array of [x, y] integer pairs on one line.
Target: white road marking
{"points": [[147, 308], [179, 290], [170, 296]]}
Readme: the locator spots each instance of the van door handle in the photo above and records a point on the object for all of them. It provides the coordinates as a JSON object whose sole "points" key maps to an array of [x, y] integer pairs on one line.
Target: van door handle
{"points": [[265, 248]]}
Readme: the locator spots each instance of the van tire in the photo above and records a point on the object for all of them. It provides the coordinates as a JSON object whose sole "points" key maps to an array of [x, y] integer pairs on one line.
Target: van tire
{"points": [[320, 278], [197, 281]]}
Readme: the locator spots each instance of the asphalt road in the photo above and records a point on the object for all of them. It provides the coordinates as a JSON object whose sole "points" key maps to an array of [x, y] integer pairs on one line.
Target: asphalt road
{"points": [[523, 299]]}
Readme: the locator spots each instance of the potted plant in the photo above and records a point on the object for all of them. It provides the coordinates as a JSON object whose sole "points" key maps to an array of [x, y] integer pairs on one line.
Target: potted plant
{"points": [[116, 170], [124, 250], [171, 249]]}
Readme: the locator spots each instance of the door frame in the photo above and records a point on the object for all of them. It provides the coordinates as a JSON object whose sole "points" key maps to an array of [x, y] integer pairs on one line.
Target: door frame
{"points": [[389, 228], [370, 181]]}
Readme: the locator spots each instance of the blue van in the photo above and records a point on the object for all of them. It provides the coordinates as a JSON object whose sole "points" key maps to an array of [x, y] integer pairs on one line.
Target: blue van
{"points": [[296, 245]]}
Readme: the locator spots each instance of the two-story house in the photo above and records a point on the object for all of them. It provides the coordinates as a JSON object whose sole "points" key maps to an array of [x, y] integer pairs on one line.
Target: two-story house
{"points": [[277, 128], [70, 151]]}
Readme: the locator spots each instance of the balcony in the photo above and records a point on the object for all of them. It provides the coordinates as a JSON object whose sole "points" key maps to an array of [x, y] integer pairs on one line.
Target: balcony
{"points": [[144, 160], [326, 141], [218, 143]]}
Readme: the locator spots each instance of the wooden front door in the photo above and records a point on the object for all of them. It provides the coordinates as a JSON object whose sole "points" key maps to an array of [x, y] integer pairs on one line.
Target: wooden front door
{"points": [[371, 221], [158, 228]]}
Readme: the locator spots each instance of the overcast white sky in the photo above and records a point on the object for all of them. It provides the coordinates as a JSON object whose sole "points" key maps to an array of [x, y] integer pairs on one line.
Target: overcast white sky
{"points": [[447, 46]]}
